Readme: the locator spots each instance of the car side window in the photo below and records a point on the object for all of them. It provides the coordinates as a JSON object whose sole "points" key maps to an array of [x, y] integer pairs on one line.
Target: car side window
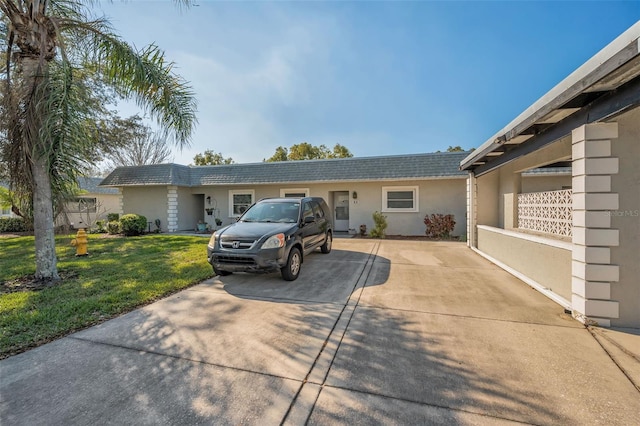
{"points": [[317, 210], [307, 211]]}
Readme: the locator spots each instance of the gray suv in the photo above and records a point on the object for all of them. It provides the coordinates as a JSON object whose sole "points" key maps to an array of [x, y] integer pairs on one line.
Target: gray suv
{"points": [[273, 234]]}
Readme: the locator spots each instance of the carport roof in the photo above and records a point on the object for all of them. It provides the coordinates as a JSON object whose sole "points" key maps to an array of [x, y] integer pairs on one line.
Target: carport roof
{"points": [[397, 167], [606, 85]]}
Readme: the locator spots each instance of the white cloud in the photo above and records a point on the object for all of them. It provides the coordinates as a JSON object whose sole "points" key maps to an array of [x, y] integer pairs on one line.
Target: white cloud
{"points": [[238, 100]]}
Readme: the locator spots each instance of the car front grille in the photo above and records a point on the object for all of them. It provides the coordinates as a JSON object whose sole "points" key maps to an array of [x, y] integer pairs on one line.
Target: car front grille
{"points": [[234, 260], [237, 243]]}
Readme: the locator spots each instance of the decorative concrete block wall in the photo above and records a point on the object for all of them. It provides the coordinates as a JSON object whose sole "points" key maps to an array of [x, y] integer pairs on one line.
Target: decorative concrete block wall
{"points": [[591, 268], [548, 211]]}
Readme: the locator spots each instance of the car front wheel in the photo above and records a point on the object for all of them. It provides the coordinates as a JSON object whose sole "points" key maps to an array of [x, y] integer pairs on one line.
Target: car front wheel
{"points": [[291, 270]]}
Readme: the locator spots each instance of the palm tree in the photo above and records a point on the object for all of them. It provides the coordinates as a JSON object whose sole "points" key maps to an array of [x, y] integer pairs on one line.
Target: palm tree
{"points": [[46, 125]]}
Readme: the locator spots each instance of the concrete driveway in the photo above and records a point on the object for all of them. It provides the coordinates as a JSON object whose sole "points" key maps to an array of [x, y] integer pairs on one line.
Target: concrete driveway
{"points": [[376, 332]]}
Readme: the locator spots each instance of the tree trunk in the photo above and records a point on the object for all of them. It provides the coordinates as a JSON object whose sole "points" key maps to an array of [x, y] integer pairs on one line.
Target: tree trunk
{"points": [[45, 245], [46, 261]]}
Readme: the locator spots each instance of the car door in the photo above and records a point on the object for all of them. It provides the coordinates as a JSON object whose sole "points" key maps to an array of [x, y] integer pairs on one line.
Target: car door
{"points": [[322, 221], [310, 228]]}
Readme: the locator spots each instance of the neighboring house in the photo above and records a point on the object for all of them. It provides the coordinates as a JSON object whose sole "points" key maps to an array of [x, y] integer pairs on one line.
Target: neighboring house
{"points": [[404, 187], [93, 203], [578, 243]]}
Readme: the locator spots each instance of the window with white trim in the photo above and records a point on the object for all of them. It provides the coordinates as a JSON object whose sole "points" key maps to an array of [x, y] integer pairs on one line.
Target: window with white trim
{"points": [[240, 200], [399, 199], [294, 192]]}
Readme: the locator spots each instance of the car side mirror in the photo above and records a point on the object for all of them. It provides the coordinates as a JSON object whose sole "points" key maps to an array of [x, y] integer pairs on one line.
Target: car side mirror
{"points": [[309, 219]]}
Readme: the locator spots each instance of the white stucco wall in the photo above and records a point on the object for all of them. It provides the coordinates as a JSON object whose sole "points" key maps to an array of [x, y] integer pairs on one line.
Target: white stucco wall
{"points": [[105, 204], [547, 262], [545, 183], [148, 201], [190, 209], [626, 183]]}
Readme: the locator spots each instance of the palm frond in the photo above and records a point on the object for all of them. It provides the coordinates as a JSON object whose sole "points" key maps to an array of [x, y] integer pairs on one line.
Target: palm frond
{"points": [[147, 78], [142, 75]]}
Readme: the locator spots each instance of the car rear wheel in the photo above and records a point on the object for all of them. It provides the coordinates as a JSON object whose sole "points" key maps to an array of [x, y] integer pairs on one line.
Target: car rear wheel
{"points": [[220, 272], [326, 247], [291, 270]]}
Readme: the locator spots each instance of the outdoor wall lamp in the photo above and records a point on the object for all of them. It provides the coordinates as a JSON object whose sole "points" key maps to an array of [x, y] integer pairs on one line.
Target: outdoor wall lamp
{"points": [[209, 200], [354, 195]]}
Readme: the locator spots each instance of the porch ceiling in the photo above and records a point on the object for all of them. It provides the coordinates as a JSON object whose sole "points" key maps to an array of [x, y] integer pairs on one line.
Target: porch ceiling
{"points": [[605, 86]]}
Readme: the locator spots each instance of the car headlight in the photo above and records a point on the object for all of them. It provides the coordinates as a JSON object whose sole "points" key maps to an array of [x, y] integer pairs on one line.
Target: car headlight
{"points": [[275, 241], [212, 240]]}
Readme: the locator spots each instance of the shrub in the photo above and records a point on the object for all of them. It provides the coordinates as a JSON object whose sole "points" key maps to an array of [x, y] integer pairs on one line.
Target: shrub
{"points": [[133, 224], [439, 225], [380, 222], [114, 227], [100, 227], [113, 217], [12, 224]]}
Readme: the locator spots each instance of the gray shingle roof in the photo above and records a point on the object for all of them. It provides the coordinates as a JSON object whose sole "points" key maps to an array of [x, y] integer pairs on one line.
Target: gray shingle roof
{"points": [[91, 185], [397, 167], [155, 174]]}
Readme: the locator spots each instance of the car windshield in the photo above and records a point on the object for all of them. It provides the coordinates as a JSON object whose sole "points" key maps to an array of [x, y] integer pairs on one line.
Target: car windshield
{"points": [[273, 212]]}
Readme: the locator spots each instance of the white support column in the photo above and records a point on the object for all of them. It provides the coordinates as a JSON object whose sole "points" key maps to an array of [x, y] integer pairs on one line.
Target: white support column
{"points": [[120, 203], [591, 268], [471, 210], [172, 208]]}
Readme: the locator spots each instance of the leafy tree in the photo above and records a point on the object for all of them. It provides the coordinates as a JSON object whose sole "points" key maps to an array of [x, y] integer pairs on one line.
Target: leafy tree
{"points": [[46, 125], [306, 151], [340, 151], [210, 158], [281, 154], [456, 148]]}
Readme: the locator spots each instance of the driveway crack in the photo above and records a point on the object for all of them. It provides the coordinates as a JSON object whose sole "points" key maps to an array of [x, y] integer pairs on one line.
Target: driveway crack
{"points": [[360, 282]]}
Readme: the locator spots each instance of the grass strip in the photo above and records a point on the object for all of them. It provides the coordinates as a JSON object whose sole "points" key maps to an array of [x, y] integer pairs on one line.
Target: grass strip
{"points": [[119, 275]]}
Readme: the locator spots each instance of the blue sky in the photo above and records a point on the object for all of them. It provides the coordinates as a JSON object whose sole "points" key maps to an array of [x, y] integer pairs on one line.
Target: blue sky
{"points": [[381, 78]]}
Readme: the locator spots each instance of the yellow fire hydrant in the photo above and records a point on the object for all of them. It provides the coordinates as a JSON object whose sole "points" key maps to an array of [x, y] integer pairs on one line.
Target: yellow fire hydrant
{"points": [[80, 243]]}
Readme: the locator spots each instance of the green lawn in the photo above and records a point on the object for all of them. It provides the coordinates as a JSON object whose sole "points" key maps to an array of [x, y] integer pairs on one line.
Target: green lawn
{"points": [[119, 275]]}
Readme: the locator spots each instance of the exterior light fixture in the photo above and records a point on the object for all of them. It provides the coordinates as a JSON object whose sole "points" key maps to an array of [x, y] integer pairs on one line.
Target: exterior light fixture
{"points": [[354, 195], [209, 200]]}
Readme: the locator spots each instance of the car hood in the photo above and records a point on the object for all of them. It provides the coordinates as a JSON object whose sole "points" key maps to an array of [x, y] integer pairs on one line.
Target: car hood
{"points": [[254, 230]]}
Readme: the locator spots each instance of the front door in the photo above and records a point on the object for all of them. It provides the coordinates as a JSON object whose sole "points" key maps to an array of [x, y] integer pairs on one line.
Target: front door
{"points": [[341, 210]]}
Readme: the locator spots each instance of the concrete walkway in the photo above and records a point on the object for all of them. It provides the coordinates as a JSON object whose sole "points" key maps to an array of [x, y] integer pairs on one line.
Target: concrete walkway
{"points": [[376, 332]]}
